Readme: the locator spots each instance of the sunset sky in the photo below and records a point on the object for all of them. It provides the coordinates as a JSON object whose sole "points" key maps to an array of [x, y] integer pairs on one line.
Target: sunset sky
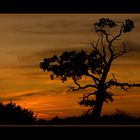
{"points": [[26, 39]]}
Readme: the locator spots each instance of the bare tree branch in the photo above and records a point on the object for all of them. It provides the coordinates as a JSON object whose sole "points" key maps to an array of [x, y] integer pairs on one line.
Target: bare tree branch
{"points": [[97, 42], [81, 87], [102, 56], [122, 52], [104, 52], [109, 33], [110, 49], [107, 39], [93, 77], [124, 86], [86, 95], [120, 32], [111, 41], [114, 77]]}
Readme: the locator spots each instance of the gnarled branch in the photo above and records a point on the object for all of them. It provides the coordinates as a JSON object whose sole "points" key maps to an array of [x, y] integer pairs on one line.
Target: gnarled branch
{"points": [[86, 95], [79, 87], [94, 78], [124, 86]]}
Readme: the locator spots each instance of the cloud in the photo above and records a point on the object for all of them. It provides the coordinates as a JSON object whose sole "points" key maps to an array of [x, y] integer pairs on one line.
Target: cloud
{"points": [[33, 58], [22, 96], [60, 32], [131, 57], [55, 25], [133, 45]]}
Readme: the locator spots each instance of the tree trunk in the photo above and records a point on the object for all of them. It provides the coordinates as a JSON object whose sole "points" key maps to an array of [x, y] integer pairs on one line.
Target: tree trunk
{"points": [[98, 106], [101, 92]]}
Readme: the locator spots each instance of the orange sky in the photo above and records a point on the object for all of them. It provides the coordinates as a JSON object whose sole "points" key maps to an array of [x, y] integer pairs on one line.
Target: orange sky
{"points": [[26, 39]]}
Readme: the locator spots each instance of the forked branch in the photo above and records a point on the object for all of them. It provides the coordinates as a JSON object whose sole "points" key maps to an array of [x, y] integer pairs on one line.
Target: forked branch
{"points": [[122, 52], [79, 87]]}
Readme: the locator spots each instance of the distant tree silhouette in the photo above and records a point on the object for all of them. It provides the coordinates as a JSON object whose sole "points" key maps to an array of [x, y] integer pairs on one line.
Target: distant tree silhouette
{"points": [[11, 113], [95, 64]]}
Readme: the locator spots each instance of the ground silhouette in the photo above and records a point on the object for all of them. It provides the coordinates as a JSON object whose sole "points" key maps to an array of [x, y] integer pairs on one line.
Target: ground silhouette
{"points": [[117, 118], [12, 114]]}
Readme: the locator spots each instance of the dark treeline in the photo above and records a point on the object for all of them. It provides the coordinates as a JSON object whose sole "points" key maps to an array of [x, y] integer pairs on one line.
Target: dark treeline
{"points": [[117, 118], [12, 114]]}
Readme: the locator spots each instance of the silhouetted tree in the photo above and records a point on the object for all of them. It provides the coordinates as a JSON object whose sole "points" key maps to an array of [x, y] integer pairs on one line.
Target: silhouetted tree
{"points": [[95, 64], [11, 113]]}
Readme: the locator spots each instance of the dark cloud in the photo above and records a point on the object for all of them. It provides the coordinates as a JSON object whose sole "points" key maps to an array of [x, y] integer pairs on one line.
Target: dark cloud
{"points": [[133, 45], [32, 58], [20, 97], [56, 30], [134, 54], [63, 24], [34, 94]]}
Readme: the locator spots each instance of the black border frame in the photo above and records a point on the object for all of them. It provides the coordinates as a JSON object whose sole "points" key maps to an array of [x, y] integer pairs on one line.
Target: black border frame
{"points": [[69, 7]]}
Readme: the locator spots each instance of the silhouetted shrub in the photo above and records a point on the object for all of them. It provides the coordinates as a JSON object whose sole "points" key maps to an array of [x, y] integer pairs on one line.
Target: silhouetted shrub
{"points": [[120, 117], [11, 113]]}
